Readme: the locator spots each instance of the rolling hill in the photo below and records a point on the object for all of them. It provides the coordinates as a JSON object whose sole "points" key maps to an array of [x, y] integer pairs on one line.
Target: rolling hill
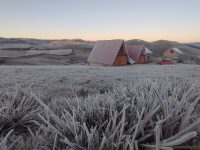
{"points": [[12, 50], [23, 43]]}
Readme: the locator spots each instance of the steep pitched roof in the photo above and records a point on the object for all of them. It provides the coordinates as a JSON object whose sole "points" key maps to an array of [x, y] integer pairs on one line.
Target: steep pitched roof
{"points": [[134, 51], [105, 52]]}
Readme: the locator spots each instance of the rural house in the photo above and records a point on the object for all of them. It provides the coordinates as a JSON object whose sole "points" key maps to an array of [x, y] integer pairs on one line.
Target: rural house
{"points": [[139, 53], [108, 53], [174, 54]]}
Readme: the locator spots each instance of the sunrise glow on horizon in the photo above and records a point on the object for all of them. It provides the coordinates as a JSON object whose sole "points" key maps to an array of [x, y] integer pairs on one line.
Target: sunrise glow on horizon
{"points": [[175, 20]]}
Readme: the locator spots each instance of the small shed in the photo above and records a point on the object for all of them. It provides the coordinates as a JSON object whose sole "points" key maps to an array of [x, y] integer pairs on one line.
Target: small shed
{"points": [[174, 54], [139, 53], [108, 53]]}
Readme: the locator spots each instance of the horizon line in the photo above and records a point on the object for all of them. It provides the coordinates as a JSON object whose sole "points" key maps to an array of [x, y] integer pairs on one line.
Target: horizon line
{"points": [[35, 38]]}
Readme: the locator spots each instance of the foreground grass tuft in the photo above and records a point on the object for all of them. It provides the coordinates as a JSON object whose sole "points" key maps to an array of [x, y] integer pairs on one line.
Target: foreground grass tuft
{"points": [[144, 114]]}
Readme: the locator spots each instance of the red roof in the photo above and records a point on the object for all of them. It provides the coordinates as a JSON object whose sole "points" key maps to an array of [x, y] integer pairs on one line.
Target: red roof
{"points": [[105, 52], [134, 51]]}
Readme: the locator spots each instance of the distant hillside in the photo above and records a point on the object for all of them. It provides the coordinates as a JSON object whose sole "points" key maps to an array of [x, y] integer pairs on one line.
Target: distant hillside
{"points": [[137, 42], [194, 45], [158, 47], [23, 43], [189, 50]]}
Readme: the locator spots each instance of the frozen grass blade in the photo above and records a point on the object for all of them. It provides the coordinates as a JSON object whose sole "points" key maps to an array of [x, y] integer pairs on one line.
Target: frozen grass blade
{"points": [[3, 145]]}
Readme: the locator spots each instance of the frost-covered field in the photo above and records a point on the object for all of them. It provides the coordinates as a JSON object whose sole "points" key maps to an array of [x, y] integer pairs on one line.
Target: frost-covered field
{"points": [[81, 107], [60, 78]]}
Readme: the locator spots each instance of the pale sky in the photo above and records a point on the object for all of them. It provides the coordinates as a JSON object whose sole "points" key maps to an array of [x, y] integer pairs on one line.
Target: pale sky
{"points": [[150, 20]]}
